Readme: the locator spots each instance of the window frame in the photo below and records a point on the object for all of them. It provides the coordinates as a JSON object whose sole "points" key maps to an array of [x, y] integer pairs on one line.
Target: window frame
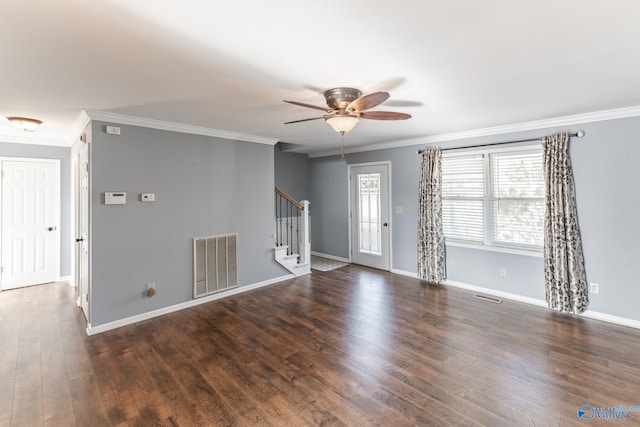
{"points": [[488, 244]]}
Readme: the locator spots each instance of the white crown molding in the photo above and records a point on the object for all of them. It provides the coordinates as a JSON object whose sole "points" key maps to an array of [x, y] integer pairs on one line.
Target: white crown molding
{"points": [[620, 113], [78, 127], [33, 141], [177, 127]]}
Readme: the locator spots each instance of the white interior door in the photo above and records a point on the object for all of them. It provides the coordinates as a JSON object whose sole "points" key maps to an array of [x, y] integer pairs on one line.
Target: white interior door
{"points": [[30, 222], [370, 215], [82, 230]]}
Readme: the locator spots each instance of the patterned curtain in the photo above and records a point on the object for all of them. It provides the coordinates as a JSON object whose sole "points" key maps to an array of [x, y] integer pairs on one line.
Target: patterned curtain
{"points": [[565, 279], [430, 235]]}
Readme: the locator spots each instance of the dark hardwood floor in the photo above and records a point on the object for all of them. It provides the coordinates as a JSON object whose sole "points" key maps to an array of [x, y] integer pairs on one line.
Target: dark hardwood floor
{"points": [[352, 346]]}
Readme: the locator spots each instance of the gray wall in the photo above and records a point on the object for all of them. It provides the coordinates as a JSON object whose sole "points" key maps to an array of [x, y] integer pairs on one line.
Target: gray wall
{"points": [[62, 154], [329, 191], [606, 171], [203, 186], [292, 173]]}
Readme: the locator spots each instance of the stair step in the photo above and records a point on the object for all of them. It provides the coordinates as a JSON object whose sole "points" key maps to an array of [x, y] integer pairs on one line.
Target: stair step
{"points": [[291, 256], [301, 265]]}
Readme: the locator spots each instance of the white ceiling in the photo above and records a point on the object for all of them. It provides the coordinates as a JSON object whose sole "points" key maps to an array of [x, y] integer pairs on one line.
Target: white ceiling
{"points": [[453, 65]]}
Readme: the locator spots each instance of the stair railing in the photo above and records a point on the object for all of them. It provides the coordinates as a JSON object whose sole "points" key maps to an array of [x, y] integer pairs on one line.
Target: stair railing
{"points": [[292, 225]]}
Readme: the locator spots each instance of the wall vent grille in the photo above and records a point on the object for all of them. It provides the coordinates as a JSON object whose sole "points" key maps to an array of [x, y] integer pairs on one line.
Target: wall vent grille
{"points": [[215, 265]]}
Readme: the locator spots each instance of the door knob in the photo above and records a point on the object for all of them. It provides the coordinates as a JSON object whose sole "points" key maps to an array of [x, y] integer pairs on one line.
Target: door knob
{"points": [[79, 239], [385, 224], [51, 228]]}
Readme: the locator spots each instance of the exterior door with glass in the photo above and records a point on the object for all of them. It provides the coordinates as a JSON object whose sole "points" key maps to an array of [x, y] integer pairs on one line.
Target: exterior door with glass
{"points": [[370, 226]]}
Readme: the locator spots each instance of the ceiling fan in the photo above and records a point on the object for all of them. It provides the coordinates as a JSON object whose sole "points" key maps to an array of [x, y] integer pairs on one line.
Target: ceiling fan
{"points": [[347, 106]]}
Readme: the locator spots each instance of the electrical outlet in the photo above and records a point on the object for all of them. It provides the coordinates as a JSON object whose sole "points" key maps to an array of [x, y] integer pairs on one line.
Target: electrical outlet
{"points": [[594, 288], [503, 272], [452, 263]]}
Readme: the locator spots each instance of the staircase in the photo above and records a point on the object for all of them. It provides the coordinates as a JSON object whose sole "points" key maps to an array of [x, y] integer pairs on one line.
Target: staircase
{"points": [[292, 247]]}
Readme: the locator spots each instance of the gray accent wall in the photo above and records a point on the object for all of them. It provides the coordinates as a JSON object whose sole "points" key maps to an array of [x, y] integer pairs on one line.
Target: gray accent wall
{"points": [[203, 186], [292, 173], [606, 171], [329, 189], [62, 154]]}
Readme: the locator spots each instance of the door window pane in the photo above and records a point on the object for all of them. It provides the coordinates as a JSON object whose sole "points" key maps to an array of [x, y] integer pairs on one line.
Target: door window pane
{"points": [[369, 241]]}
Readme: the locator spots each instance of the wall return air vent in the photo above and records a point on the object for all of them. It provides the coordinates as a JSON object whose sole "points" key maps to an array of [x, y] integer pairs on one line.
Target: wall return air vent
{"points": [[215, 265]]}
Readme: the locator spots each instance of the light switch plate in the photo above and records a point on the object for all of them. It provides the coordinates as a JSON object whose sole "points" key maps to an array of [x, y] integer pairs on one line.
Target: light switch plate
{"points": [[147, 197], [113, 130]]}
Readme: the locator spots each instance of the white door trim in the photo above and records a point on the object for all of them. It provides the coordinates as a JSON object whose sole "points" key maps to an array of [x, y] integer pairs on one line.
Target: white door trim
{"points": [[349, 213], [58, 203], [84, 289]]}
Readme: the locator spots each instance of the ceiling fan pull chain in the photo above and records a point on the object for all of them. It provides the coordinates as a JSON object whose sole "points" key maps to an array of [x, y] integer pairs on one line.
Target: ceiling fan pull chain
{"points": [[342, 162]]}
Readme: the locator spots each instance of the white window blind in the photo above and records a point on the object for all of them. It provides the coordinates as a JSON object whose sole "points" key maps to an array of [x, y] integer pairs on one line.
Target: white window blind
{"points": [[517, 198], [463, 197], [494, 198]]}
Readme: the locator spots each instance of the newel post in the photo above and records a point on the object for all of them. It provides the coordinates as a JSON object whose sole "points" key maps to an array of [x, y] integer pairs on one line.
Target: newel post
{"points": [[305, 244]]}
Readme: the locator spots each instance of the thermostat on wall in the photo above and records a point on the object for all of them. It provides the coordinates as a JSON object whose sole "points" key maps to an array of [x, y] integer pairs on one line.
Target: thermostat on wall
{"points": [[115, 198]]}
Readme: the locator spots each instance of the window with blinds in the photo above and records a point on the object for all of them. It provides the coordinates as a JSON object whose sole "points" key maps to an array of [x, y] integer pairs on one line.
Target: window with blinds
{"points": [[463, 198], [517, 199], [494, 198]]}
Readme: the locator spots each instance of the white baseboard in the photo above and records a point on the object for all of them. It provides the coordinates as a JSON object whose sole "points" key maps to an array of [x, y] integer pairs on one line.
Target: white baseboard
{"points": [[332, 257], [65, 279], [622, 321], [93, 330], [192, 303], [499, 294], [405, 273]]}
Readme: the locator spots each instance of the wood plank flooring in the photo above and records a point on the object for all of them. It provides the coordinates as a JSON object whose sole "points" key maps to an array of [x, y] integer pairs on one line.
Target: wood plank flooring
{"points": [[352, 346]]}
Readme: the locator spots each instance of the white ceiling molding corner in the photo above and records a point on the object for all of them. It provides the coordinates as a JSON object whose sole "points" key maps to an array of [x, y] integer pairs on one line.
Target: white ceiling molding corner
{"points": [[78, 127], [619, 113], [14, 139], [177, 127]]}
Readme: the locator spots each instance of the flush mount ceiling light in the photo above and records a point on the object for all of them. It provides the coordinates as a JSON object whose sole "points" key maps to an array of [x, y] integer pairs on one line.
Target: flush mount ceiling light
{"points": [[347, 106], [25, 123]]}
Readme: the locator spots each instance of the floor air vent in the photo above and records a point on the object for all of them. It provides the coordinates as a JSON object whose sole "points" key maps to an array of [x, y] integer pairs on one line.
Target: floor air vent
{"points": [[487, 298], [214, 264]]}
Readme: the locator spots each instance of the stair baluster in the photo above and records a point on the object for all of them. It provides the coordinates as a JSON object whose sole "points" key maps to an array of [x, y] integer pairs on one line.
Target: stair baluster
{"points": [[292, 242]]}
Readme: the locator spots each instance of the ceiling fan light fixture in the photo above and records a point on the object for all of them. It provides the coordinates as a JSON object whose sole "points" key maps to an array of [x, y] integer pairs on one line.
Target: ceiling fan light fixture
{"points": [[343, 123], [25, 123]]}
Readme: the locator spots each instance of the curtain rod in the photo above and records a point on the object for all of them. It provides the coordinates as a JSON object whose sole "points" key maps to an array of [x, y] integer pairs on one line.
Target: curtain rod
{"points": [[578, 134]]}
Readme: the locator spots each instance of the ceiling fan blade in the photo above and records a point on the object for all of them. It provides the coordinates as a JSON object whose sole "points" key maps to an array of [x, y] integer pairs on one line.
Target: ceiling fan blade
{"points": [[304, 120], [315, 107], [403, 103], [368, 101], [384, 115]]}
